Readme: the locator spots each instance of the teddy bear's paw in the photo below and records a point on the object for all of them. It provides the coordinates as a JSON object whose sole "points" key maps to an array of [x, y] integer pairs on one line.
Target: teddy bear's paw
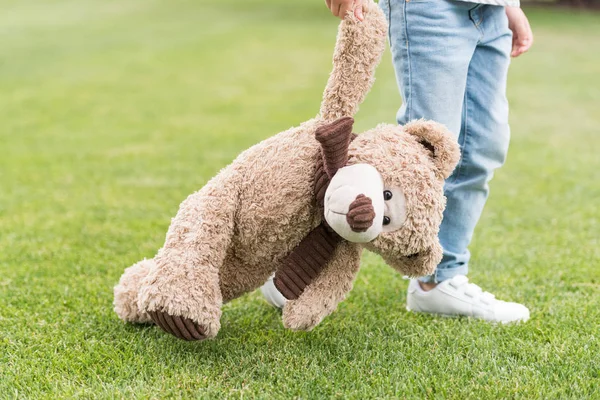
{"points": [[424, 262], [177, 318], [170, 299], [300, 317], [126, 293], [182, 316], [178, 326]]}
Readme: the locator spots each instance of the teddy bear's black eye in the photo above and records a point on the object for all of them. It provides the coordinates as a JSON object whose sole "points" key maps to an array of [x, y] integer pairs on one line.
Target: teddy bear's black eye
{"points": [[386, 220], [387, 195]]}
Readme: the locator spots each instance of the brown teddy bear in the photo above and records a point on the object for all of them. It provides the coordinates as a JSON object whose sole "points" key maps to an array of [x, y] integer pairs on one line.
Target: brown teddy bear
{"points": [[302, 205]]}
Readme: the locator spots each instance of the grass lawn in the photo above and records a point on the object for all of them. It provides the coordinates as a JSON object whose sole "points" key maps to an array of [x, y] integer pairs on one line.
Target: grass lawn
{"points": [[112, 112]]}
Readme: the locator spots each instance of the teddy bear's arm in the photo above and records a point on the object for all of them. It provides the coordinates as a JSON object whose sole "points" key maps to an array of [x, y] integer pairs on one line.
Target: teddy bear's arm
{"points": [[306, 261], [420, 264], [322, 296]]}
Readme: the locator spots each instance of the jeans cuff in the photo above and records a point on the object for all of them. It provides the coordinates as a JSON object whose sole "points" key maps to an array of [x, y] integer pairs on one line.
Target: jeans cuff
{"points": [[441, 275]]}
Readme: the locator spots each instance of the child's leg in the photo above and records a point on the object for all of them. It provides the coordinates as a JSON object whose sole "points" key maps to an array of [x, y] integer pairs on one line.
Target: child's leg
{"points": [[451, 60], [484, 138]]}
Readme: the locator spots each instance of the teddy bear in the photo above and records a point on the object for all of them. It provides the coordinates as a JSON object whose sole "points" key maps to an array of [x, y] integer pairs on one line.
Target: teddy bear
{"points": [[302, 205]]}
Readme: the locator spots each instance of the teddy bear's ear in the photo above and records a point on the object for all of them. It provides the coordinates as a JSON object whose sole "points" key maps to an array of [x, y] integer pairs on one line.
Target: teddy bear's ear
{"points": [[335, 137], [439, 141]]}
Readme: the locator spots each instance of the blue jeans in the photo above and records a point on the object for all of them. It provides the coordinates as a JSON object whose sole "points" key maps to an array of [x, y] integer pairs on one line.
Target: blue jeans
{"points": [[451, 60]]}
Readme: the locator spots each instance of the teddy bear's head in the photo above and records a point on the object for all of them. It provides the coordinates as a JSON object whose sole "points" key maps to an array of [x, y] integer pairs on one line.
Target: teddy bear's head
{"points": [[389, 195]]}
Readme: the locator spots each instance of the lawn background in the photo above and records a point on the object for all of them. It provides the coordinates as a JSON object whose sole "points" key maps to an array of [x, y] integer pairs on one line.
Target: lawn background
{"points": [[112, 112]]}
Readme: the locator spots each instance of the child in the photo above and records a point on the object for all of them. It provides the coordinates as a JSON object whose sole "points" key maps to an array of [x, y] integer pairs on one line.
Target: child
{"points": [[451, 60]]}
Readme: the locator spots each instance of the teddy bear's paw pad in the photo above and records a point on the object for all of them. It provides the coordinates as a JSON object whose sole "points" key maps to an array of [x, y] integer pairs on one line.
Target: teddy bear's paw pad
{"points": [[180, 327]]}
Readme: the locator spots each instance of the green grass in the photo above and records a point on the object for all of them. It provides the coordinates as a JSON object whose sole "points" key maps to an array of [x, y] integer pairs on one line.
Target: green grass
{"points": [[111, 112]]}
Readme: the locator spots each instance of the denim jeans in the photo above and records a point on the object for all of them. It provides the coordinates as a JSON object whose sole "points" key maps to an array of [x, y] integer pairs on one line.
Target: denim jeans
{"points": [[451, 60]]}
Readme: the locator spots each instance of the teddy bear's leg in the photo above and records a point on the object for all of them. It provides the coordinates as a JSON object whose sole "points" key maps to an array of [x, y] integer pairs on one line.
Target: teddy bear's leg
{"points": [[126, 293], [322, 296], [182, 294]]}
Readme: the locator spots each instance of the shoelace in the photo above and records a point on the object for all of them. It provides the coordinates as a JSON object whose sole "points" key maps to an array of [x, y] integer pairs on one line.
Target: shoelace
{"points": [[471, 289]]}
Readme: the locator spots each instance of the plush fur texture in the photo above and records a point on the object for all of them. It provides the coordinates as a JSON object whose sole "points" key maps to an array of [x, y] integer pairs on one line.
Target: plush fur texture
{"points": [[231, 235], [357, 53]]}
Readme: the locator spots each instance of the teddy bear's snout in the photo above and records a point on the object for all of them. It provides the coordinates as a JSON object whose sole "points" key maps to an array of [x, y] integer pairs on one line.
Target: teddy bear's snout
{"points": [[361, 214], [354, 203]]}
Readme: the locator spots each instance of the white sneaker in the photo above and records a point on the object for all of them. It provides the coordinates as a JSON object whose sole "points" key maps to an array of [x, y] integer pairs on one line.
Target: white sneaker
{"points": [[272, 295], [457, 296]]}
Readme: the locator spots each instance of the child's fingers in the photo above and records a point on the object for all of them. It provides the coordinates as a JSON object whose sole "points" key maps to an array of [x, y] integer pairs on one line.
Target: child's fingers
{"points": [[335, 7], [516, 52], [344, 8], [358, 10], [520, 46], [341, 8], [516, 49], [522, 39]]}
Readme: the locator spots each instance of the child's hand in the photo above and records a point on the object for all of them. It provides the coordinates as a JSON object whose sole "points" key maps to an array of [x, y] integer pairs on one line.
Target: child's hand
{"points": [[340, 8], [522, 34]]}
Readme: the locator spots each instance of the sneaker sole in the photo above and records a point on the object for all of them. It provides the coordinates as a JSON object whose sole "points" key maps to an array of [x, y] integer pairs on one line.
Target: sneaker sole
{"points": [[517, 321]]}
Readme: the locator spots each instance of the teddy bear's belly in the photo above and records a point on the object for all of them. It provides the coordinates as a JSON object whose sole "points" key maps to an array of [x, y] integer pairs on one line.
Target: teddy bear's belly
{"points": [[276, 209], [265, 232]]}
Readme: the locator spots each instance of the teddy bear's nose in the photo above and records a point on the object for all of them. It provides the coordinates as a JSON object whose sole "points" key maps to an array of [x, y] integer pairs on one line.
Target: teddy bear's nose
{"points": [[361, 213]]}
